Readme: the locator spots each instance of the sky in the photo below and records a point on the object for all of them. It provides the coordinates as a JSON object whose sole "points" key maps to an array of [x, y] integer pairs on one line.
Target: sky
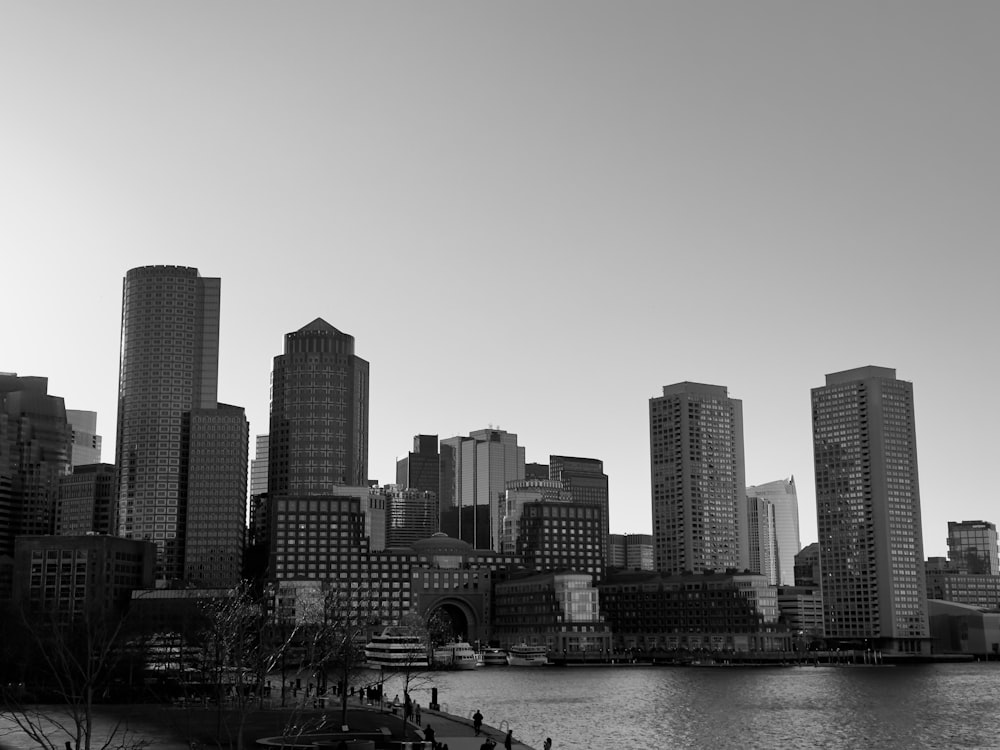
{"points": [[530, 215]]}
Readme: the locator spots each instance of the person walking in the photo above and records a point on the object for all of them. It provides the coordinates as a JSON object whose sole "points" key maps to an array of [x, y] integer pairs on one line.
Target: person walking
{"points": [[477, 722], [548, 744], [429, 736], [509, 739]]}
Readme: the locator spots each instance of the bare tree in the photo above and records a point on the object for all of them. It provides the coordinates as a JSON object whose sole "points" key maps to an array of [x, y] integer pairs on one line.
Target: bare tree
{"points": [[73, 659]]}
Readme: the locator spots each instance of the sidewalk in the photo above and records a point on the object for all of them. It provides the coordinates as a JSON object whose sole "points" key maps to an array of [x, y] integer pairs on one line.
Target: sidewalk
{"points": [[457, 733]]}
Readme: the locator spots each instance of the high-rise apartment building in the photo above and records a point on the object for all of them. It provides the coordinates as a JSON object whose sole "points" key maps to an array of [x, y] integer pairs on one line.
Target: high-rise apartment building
{"points": [[167, 407], [587, 483], [421, 469], [783, 499], [868, 510], [698, 485], [319, 414], [35, 448], [474, 475], [972, 546]]}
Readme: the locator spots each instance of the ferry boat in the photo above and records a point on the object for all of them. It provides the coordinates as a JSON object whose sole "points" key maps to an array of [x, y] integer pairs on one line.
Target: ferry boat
{"points": [[455, 656], [493, 657], [527, 656], [396, 648]]}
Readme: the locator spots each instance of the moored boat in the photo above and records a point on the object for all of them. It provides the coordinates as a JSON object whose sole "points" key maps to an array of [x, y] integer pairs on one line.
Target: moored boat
{"points": [[396, 648], [493, 657], [455, 656], [527, 656]]}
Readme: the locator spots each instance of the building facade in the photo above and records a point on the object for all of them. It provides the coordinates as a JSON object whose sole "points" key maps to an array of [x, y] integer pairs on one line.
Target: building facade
{"points": [[319, 414], [868, 510], [86, 501], [421, 469], [972, 546], [762, 540], [561, 536], [411, 515], [782, 497], [474, 475], [86, 442], [697, 477], [168, 376]]}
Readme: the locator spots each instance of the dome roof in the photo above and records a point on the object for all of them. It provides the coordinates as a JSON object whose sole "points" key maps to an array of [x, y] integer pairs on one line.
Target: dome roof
{"points": [[441, 544]]}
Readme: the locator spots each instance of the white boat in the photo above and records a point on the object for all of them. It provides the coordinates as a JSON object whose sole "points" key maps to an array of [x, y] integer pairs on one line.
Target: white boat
{"points": [[396, 648], [455, 656], [493, 657], [527, 656]]}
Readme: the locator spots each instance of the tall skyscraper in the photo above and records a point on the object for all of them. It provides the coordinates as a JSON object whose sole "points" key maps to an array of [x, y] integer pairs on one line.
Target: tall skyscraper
{"points": [[35, 446], [587, 484], [972, 546], [421, 469], [698, 485], [319, 414], [474, 475], [868, 510], [762, 541], [167, 405], [86, 501], [86, 441], [781, 495]]}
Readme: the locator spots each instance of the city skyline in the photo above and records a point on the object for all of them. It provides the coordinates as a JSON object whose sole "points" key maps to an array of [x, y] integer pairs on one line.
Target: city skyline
{"points": [[716, 195]]}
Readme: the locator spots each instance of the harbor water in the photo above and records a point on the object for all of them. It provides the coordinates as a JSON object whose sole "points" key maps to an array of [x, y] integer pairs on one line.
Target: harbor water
{"points": [[919, 706]]}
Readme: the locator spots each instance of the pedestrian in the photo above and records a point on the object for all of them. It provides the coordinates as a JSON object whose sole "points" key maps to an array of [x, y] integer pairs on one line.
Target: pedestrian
{"points": [[509, 739], [548, 744], [407, 706], [416, 713], [429, 736], [488, 744], [477, 722]]}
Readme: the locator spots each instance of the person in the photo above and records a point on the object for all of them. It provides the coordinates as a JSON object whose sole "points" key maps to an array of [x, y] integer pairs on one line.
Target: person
{"points": [[429, 736], [509, 739], [489, 744], [408, 707], [477, 722], [416, 713], [548, 744]]}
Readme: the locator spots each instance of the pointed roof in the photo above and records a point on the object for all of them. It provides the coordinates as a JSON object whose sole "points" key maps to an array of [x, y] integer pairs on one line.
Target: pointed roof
{"points": [[318, 325]]}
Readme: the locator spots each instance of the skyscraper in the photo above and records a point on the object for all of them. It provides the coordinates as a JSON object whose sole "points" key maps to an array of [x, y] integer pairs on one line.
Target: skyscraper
{"points": [[698, 485], [421, 469], [868, 510], [587, 484], [319, 414], [474, 475], [86, 441], [167, 403], [781, 495]]}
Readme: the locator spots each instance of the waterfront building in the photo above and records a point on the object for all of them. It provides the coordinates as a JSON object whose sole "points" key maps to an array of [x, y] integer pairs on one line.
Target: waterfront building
{"points": [[698, 484], [587, 483], [35, 448], [80, 576], [421, 469], [559, 610], [950, 581], [86, 448], [474, 475], [963, 629], [319, 414], [972, 546], [317, 537], [519, 493], [651, 611], [801, 609], [783, 499], [868, 511], [167, 404], [85, 502], [411, 515]]}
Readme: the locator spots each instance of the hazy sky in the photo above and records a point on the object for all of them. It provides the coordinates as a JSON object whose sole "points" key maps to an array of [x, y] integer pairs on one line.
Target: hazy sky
{"points": [[531, 215]]}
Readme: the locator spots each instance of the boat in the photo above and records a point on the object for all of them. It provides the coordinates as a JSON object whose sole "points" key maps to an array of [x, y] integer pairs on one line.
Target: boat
{"points": [[493, 657], [396, 648], [455, 656], [527, 656]]}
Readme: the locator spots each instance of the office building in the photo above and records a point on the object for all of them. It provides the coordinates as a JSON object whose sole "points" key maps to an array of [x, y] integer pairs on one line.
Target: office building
{"points": [[587, 483], [421, 469], [951, 582], [630, 552], [35, 449], [474, 475], [698, 485], [411, 515], [972, 546], [86, 447], [561, 536], [167, 405], [807, 566], [86, 501], [517, 495], [868, 511], [783, 499]]}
